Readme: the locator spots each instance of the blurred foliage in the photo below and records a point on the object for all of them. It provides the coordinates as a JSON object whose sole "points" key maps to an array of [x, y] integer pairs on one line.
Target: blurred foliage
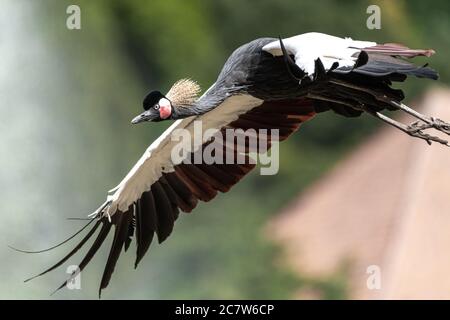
{"points": [[126, 48]]}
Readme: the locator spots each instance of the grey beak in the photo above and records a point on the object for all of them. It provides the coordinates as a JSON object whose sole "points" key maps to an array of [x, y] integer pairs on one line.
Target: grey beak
{"points": [[144, 116]]}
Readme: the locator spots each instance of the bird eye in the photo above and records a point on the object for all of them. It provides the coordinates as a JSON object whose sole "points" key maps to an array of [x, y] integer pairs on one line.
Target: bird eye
{"points": [[156, 107]]}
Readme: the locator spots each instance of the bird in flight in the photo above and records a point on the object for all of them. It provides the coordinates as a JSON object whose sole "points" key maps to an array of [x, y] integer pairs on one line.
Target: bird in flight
{"points": [[268, 83]]}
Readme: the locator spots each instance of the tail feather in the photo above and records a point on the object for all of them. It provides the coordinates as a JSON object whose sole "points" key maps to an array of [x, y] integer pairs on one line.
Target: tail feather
{"points": [[390, 68], [379, 65]]}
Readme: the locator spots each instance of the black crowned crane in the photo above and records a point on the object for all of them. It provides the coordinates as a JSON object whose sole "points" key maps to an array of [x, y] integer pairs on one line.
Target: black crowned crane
{"points": [[267, 83]]}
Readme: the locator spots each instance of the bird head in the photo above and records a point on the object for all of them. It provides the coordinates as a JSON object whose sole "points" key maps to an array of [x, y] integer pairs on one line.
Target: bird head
{"points": [[159, 107]]}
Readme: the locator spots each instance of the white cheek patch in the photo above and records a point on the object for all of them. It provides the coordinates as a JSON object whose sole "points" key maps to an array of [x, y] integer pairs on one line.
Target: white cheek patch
{"points": [[165, 108]]}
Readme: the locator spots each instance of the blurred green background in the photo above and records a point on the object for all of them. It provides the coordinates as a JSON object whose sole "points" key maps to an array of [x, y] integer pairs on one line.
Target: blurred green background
{"points": [[65, 135]]}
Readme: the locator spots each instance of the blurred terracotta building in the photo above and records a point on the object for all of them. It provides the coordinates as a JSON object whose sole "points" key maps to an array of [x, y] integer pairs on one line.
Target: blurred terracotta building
{"points": [[386, 205]]}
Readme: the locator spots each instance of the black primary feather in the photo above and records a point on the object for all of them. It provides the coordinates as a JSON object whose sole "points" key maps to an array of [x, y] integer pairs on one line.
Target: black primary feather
{"points": [[131, 229], [56, 245], [164, 211], [173, 197], [146, 224], [183, 191], [103, 233], [121, 222], [71, 253]]}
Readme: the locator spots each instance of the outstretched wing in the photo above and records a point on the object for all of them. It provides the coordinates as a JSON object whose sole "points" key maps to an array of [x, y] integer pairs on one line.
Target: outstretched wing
{"points": [[149, 199]]}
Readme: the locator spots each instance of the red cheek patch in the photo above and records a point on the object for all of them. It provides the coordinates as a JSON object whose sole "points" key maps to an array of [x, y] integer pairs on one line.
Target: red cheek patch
{"points": [[165, 111]]}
